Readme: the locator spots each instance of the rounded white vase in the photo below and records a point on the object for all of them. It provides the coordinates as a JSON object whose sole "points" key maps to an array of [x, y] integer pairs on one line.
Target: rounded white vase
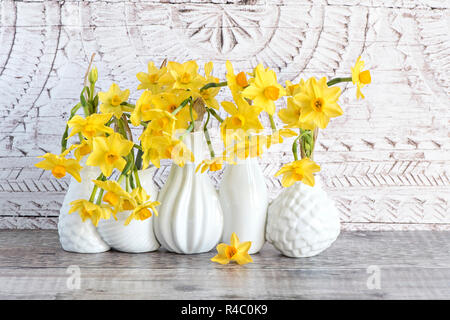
{"points": [[302, 221], [190, 217], [244, 199], [74, 234], [138, 236]]}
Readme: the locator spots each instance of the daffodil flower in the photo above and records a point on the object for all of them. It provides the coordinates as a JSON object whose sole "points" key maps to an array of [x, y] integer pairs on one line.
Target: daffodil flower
{"points": [[89, 210], [277, 136], [211, 165], [151, 79], [209, 94], [243, 117], [59, 166], [299, 170], [264, 90], [318, 103], [112, 101], [236, 82], [143, 211], [185, 75], [108, 153], [142, 109], [359, 77], [115, 196], [293, 88], [236, 251], [91, 126], [291, 116], [169, 101]]}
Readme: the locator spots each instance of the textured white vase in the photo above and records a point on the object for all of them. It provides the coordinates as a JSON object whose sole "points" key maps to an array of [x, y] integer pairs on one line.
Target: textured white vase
{"points": [[244, 200], [74, 234], [302, 221], [190, 218], [138, 236]]}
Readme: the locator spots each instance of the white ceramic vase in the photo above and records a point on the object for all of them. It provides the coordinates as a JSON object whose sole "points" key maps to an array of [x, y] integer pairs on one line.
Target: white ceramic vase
{"points": [[137, 236], [74, 234], [244, 199], [190, 218], [302, 221]]}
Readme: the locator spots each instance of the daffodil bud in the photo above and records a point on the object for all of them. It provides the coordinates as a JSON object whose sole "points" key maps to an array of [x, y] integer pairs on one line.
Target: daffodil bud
{"points": [[93, 75]]}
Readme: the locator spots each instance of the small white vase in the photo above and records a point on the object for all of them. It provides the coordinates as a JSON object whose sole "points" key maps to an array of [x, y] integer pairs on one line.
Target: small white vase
{"points": [[137, 236], [302, 221], [190, 218], [244, 199], [74, 234]]}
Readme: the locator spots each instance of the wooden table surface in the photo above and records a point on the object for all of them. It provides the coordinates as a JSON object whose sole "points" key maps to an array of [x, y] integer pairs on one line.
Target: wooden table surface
{"points": [[410, 265]]}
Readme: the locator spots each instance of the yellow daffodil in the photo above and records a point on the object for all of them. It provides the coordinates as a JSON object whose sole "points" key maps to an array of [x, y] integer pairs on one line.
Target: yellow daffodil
{"points": [[154, 148], [236, 251], [161, 123], [359, 77], [291, 116], [142, 207], [211, 165], [293, 88], [264, 90], [236, 82], [178, 152], [142, 109], [59, 166], [318, 102], [185, 75], [209, 94], [89, 210], [91, 126], [143, 211], [243, 118], [150, 80], [277, 136], [170, 101], [82, 149], [112, 99], [115, 196], [108, 153], [299, 170]]}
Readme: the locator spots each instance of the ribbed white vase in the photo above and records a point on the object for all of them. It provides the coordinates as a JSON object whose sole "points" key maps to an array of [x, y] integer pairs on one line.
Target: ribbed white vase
{"points": [[244, 199], [138, 236], [190, 218], [74, 234], [302, 221]]}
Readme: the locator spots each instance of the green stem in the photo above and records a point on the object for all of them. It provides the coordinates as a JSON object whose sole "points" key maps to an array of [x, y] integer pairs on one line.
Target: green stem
{"points": [[131, 179], [99, 198], [94, 191], [338, 80], [136, 177], [139, 155], [181, 106], [207, 137], [214, 85], [215, 115], [295, 146], [272, 123]]}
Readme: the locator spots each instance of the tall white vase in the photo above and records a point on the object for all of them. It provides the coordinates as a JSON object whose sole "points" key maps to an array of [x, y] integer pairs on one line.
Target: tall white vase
{"points": [[190, 218], [74, 234], [244, 199], [138, 236], [302, 221]]}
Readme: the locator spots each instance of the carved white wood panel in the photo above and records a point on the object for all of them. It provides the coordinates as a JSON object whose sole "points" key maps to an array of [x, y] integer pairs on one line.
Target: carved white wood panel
{"points": [[385, 161]]}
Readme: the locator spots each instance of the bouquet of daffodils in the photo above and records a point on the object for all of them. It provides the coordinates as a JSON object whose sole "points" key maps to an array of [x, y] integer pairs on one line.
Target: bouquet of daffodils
{"points": [[176, 99]]}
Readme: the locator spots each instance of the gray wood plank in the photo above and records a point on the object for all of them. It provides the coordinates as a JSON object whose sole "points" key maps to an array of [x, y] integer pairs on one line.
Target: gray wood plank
{"points": [[412, 265]]}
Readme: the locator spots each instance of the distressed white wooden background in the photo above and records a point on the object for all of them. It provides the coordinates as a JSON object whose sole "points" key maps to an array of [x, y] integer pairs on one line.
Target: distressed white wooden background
{"points": [[385, 161]]}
